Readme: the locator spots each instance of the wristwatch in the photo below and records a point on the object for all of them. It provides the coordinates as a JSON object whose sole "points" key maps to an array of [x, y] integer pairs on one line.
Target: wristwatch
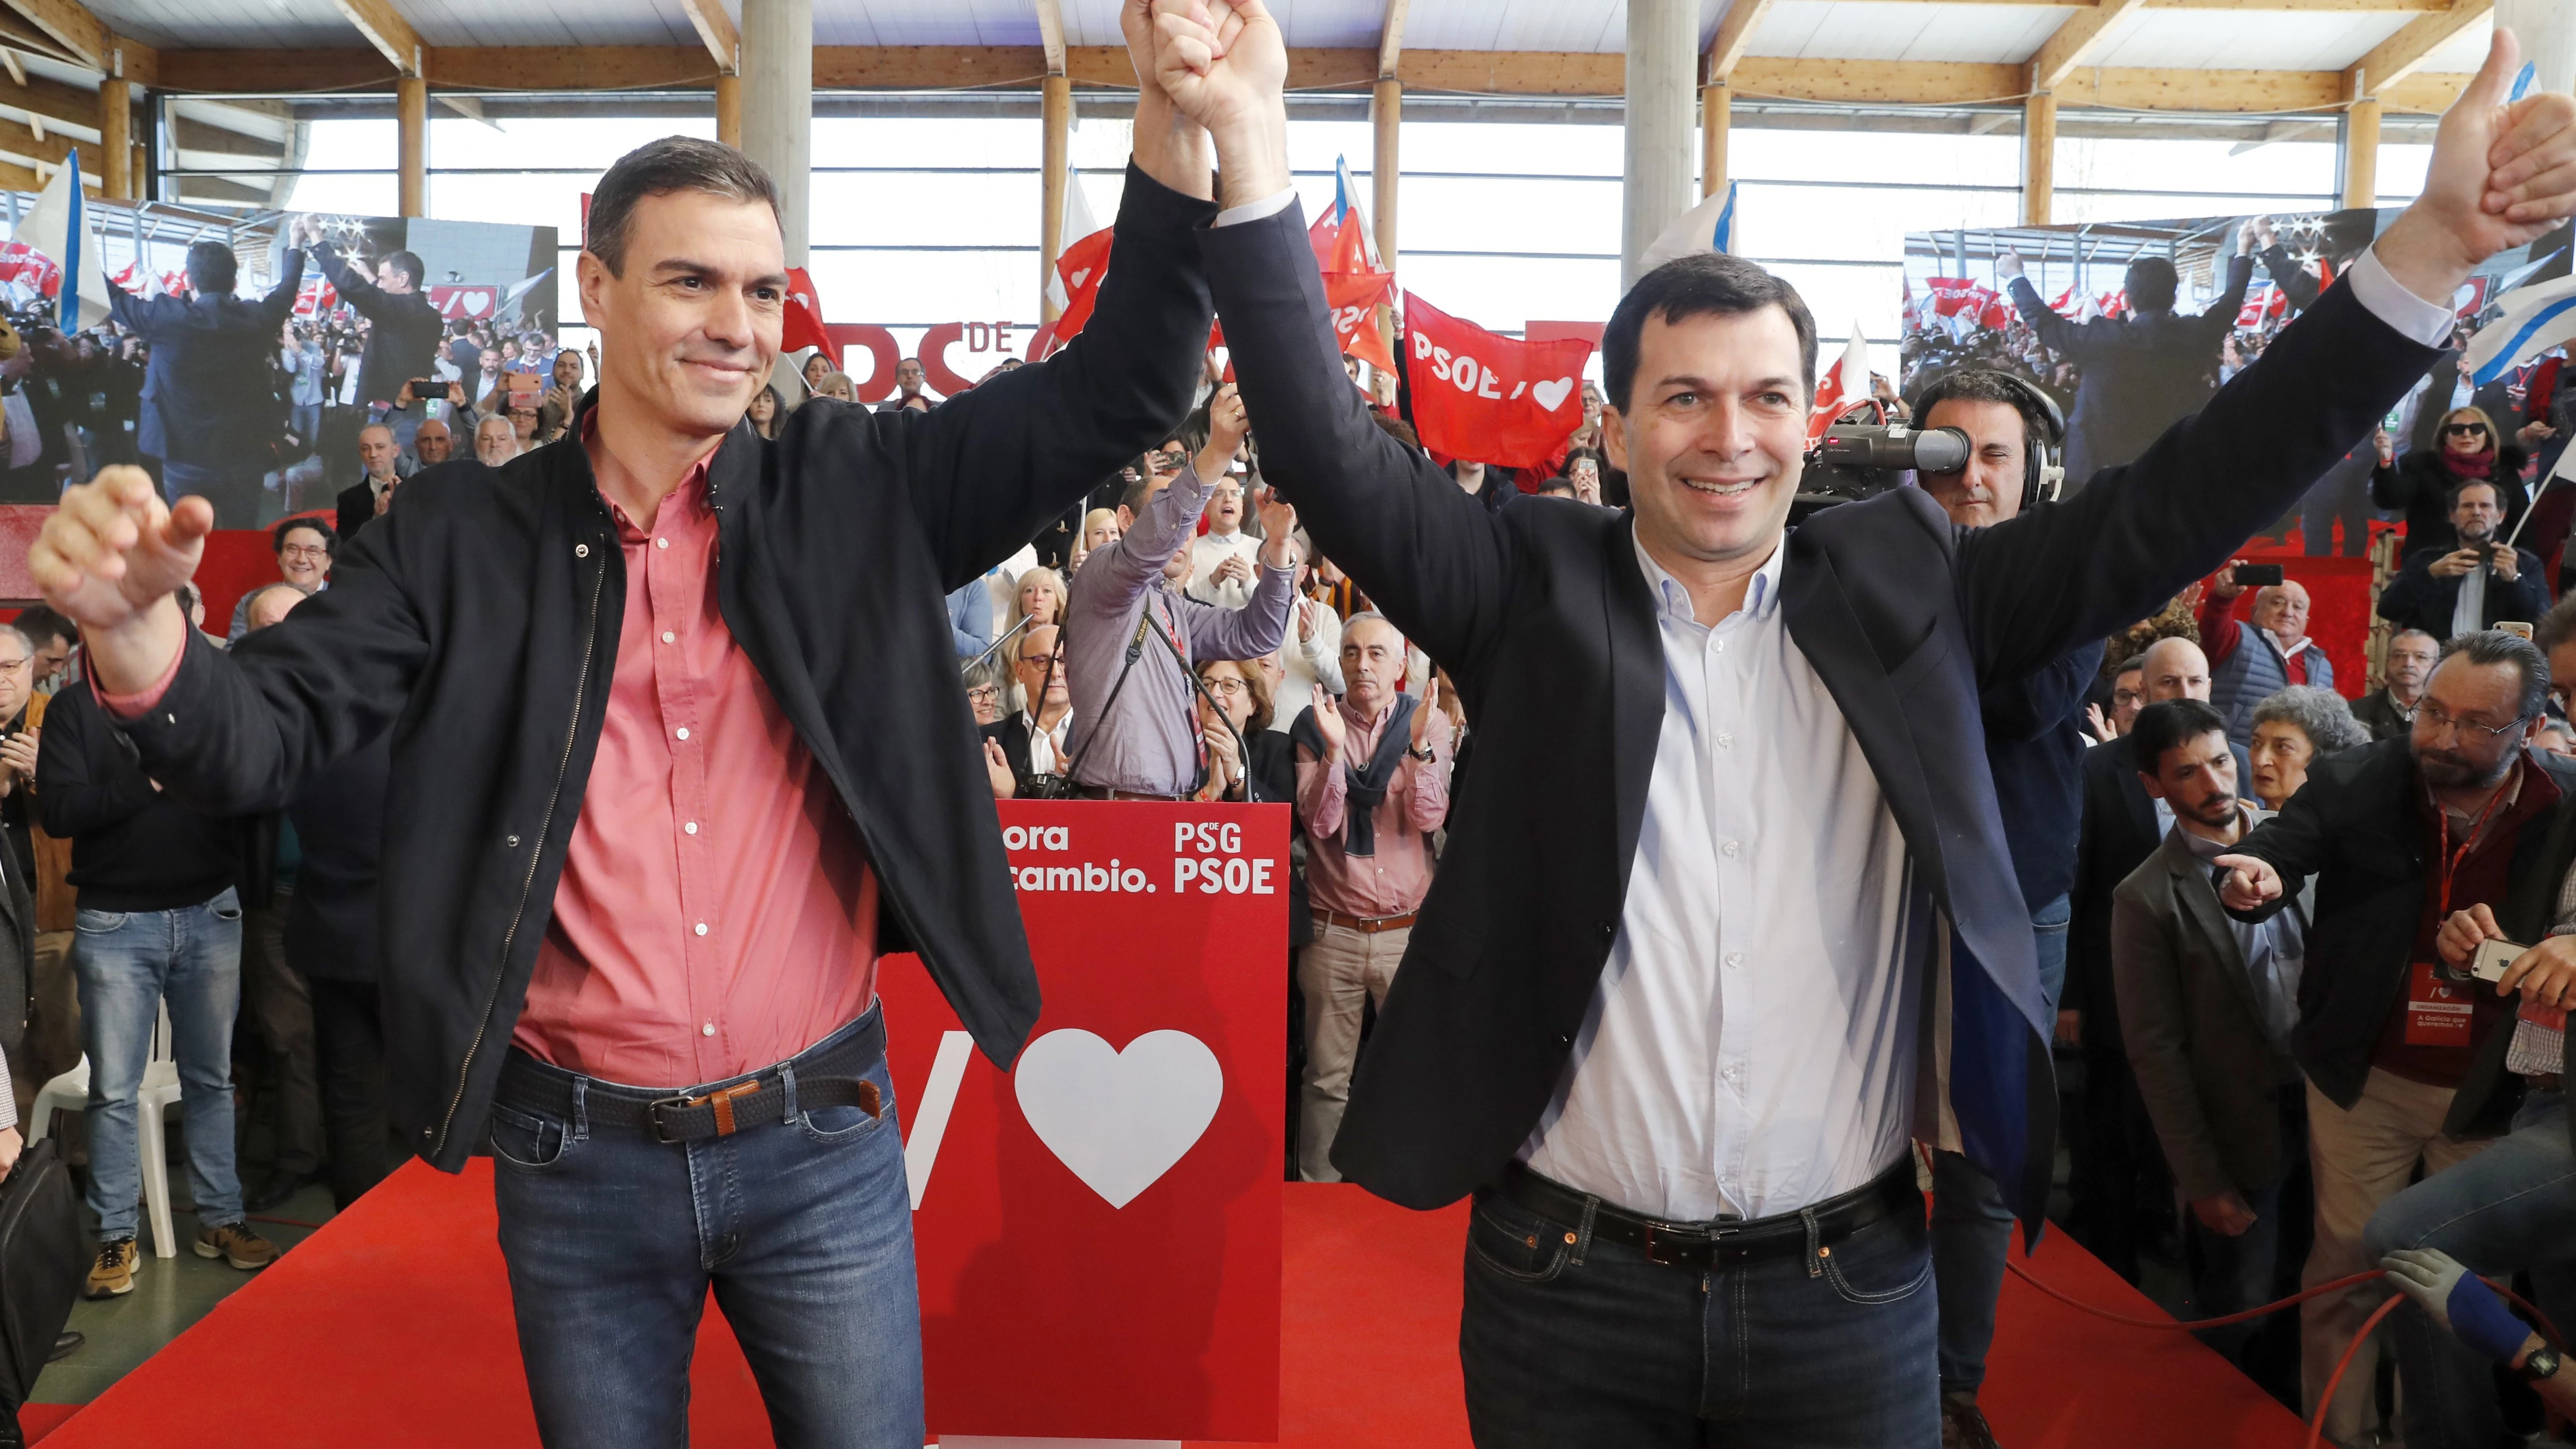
{"points": [[2541, 1364]]}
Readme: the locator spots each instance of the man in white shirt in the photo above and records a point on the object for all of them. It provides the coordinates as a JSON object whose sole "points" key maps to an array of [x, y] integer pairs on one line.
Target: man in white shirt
{"points": [[1777, 934], [1221, 560]]}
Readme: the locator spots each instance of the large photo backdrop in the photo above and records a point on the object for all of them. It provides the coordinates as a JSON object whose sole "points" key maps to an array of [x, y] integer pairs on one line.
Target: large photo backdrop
{"points": [[2133, 325], [186, 346]]}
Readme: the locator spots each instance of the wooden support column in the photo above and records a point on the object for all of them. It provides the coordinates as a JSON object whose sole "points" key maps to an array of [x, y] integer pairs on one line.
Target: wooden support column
{"points": [[1386, 176], [1716, 113], [1386, 113], [1055, 114], [411, 121], [2361, 152], [116, 137], [2038, 157], [729, 110]]}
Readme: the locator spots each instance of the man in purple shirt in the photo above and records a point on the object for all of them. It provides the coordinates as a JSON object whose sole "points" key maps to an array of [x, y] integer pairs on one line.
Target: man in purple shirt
{"points": [[1132, 638]]}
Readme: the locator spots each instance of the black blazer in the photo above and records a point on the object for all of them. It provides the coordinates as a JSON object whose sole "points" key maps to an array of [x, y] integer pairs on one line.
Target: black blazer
{"points": [[1541, 615], [206, 399], [2117, 834], [2356, 826], [2415, 599], [480, 621], [2140, 373], [357, 509]]}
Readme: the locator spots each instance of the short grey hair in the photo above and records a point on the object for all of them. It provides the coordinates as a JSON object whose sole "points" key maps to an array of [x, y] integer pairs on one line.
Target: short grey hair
{"points": [[2319, 713], [658, 168], [1372, 616], [2495, 646]]}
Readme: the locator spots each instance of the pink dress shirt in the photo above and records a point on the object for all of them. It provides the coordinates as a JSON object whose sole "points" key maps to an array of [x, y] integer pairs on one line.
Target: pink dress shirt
{"points": [[1393, 881], [716, 912]]}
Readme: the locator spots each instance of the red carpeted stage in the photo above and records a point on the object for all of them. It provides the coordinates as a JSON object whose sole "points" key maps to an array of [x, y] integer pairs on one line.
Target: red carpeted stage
{"points": [[391, 1328]]}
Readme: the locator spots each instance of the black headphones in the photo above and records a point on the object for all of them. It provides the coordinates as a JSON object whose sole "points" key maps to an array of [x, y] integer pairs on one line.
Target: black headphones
{"points": [[2043, 470]]}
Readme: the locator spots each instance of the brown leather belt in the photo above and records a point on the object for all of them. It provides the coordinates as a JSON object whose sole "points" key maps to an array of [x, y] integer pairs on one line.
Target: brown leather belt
{"points": [[1720, 1244], [1104, 792], [1365, 925]]}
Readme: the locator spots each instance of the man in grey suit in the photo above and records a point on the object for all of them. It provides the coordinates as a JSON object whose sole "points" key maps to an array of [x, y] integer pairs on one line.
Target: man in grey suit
{"points": [[2206, 1007]]}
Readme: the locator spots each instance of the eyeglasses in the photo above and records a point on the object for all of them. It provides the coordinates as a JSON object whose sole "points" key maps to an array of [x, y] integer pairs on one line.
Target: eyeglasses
{"points": [[2463, 430], [1043, 661], [984, 693], [304, 550], [2431, 716], [1226, 687]]}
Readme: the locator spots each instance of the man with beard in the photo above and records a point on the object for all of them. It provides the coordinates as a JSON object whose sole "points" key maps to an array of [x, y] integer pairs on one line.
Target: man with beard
{"points": [[2206, 1007], [2397, 835], [2474, 586]]}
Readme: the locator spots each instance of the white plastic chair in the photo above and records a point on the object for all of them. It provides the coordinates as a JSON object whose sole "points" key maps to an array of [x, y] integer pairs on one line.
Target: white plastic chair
{"points": [[160, 1093]]}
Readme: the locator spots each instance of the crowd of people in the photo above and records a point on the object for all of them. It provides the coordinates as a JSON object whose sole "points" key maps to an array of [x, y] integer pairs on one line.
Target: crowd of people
{"points": [[259, 404], [2257, 914]]}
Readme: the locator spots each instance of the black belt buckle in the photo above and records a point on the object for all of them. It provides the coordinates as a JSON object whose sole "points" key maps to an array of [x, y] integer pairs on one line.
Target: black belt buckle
{"points": [[1675, 1247]]}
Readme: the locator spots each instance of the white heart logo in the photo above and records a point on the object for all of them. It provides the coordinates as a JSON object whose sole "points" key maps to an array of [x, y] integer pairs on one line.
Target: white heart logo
{"points": [[1081, 277], [1118, 1119], [1551, 395]]}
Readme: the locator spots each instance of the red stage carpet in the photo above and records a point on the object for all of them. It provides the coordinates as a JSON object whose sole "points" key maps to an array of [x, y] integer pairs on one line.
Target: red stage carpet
{"points": [[391, 1328]]}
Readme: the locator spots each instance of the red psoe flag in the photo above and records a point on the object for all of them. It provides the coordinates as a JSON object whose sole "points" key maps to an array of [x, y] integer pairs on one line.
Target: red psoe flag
{"points": [[1081, 267], [1354, 298], [1495, 399], [802, 326]]}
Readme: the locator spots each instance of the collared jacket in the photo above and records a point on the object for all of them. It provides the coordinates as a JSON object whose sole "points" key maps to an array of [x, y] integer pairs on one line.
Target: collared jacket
{"points": [[479, 620]]}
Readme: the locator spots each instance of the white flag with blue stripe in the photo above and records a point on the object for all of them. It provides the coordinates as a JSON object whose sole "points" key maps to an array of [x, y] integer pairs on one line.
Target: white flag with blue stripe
{"points": [[2534, 320], [1707, 227]]}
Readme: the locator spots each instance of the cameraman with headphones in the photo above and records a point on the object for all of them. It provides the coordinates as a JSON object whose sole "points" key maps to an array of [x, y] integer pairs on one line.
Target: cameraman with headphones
{"points": [[2035, 746]]}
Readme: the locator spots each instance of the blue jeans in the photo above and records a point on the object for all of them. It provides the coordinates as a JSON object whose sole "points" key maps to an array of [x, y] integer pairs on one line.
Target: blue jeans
{"points": [[1570, 1341], [235, 492], [803, 1227], [2506, 1209], [1971, 1227], [128, 963]]}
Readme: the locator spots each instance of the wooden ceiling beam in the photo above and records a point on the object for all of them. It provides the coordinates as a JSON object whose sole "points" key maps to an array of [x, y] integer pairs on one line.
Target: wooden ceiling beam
{"points": [[2401, 55], [383, 27], [1734, 33], [1466, 72], [2077, 41], [85, 40], [56, 102], [1390, 39], [1050, 35], [716, 29]]}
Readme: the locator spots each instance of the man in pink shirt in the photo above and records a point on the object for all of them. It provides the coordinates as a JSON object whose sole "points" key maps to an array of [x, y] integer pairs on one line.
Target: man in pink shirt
{"points": [[1372, 784], [678, 749]]}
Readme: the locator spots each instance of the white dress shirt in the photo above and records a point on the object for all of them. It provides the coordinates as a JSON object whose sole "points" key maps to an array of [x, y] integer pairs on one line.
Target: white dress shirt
{"points": [[1212, 548], [1046, 746], [1750, 1049], [1751, 1046]]}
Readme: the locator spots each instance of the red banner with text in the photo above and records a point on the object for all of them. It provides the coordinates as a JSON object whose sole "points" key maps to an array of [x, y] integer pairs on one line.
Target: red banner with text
{"points": [[1098, 1230]]}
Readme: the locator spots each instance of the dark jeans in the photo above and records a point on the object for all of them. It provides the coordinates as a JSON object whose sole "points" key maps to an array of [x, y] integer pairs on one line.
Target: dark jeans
{"points": [[349, 1047], [803, 1227], [280, 1012], [1570, 1342], [2342, 495], [2502, 1211], [2260, 1265], [1971, 1227], [234, 491]]}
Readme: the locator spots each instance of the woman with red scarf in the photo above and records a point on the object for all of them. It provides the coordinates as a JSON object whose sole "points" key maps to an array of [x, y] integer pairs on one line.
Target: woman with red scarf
{"points": [[2468, 449]]}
